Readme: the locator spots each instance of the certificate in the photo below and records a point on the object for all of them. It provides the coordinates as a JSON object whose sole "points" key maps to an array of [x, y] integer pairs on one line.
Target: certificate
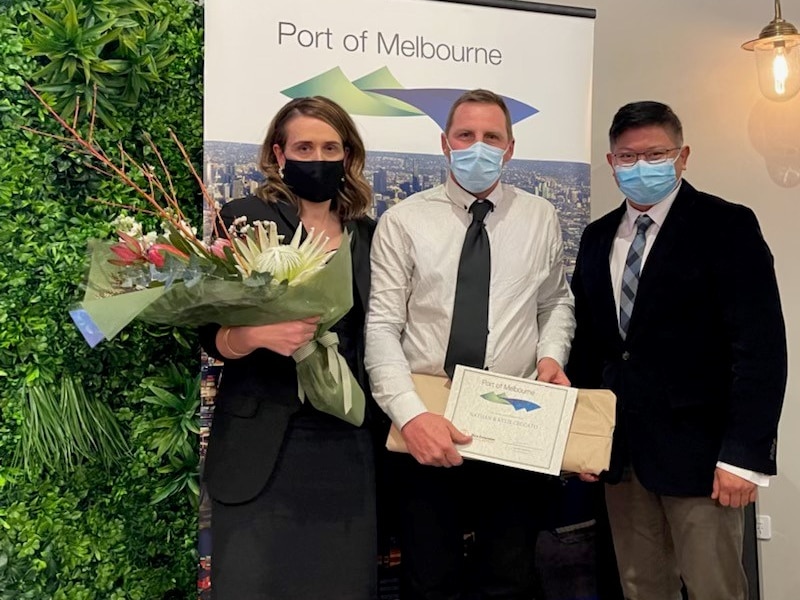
{"points": [[513, 421]]}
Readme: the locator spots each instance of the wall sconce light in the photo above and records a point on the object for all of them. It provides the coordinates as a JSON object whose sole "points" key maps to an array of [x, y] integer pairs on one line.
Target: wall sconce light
{"points": [[777, 51]]}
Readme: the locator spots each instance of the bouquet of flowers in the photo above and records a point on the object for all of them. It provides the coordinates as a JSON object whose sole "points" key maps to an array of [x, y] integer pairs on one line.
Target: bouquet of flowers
{"points": [[248, 277]]}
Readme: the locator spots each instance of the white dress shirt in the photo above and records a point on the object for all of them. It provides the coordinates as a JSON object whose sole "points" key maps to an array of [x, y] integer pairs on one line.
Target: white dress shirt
{"points": [[619, 252], [415, 256]]}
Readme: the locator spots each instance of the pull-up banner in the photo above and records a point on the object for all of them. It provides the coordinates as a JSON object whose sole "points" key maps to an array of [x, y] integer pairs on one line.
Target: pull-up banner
{"points": [[396, 66]]}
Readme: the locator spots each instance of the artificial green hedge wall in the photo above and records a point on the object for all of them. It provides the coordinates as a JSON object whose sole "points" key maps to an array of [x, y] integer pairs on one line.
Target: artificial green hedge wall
{"points": [[89, 532]]}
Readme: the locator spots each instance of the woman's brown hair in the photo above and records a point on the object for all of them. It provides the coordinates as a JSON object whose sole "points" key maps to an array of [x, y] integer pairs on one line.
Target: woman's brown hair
{"points": [[355, 198]]}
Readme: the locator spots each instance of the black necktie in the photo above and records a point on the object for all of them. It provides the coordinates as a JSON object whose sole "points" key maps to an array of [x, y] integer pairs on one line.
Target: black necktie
{"points": [[470, 325]]}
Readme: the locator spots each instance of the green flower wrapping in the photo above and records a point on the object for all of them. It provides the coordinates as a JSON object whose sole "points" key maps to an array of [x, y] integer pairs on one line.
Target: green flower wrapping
{"points": [[195, 298]]}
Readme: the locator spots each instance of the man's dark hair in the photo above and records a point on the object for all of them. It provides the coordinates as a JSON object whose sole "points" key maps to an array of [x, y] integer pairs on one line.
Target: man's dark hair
{"points": [[644, 114]]}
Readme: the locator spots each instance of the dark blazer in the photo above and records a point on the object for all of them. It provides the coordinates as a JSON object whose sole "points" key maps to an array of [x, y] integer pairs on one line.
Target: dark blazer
{"points": [[701, 375], [257, 395]]}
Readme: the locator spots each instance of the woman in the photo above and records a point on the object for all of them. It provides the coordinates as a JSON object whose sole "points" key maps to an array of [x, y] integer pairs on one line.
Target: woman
{"points": [[293, 490]]}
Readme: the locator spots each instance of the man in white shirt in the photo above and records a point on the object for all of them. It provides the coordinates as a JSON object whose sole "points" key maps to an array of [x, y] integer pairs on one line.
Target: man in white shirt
{"points": [[522, 321], [678, 313]]}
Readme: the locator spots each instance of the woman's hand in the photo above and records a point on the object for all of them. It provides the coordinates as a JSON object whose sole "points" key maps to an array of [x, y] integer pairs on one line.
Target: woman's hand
{"points": [[282, 338], [285, 338]]}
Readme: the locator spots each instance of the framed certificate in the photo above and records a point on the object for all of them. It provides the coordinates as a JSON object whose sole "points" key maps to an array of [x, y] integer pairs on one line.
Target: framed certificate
{"points": [[513, 421]]}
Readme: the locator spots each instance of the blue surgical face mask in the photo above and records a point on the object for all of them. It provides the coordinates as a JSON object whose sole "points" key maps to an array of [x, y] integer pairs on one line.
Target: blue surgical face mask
{"points": [[478, 167], [647, 184]]}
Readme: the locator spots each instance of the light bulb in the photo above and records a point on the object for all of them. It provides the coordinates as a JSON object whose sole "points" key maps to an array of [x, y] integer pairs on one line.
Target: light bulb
{"points": [[778, 63], [777, 50], [780, 71]]}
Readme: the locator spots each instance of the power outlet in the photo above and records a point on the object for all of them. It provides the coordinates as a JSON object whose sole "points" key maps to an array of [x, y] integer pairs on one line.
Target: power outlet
{"points": [[763, 527]]}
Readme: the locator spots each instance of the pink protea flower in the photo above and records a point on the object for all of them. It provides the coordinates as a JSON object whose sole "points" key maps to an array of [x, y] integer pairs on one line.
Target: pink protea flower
{"points": [[129, 251], [155, 254], [218, 247]]}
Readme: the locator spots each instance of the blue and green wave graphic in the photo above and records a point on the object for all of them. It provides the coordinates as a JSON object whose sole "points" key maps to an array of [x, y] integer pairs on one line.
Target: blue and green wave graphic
{"points": [[380, 94], [517, 403]]}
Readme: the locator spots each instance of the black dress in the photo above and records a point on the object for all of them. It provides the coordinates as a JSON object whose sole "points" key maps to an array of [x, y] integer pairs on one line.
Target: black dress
{"points": [[293, 489]]}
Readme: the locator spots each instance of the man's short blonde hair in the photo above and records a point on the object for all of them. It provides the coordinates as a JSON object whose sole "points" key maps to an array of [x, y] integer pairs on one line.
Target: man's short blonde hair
{"points": [[480, 96]]}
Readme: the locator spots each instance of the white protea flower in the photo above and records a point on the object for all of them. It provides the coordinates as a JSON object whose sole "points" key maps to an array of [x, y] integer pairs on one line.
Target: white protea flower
{"points": [[262, 252]]}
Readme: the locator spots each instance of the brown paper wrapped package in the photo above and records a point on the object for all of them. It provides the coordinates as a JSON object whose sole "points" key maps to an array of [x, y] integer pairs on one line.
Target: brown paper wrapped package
{"points": [[590, 433]]}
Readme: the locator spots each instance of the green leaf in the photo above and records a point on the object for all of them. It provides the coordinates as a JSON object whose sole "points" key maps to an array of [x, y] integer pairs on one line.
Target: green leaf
{"points": [[71, 536], [62, 428]]}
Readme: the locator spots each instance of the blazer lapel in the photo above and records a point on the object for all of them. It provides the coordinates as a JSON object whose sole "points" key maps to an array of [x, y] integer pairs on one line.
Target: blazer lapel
{"points": [[359, 249], [608, 308], [662, 251], [288, 214]]}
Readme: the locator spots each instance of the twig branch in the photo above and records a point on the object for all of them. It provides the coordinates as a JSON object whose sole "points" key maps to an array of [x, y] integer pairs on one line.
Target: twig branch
{"points": [[130, 207], [162, 199]]}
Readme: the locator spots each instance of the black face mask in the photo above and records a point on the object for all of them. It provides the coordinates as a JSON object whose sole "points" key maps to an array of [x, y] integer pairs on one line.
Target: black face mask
{"points": [[314, 180]]}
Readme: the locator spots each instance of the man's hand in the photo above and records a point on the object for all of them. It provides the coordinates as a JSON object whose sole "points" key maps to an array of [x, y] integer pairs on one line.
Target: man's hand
{"points": [[588, 477], [549, 371], [731, 490], [431, 440]]}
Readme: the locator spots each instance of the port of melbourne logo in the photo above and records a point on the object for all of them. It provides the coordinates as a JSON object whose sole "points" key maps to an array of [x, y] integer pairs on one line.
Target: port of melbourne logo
{"points": [[517, 403], [379, 94]]}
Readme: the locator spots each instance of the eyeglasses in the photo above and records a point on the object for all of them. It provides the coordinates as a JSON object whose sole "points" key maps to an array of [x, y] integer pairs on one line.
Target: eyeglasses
{"points": [[654, 157]]}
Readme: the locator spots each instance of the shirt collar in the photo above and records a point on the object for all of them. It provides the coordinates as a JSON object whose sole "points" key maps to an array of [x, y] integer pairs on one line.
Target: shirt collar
{"points": [[463, 199], [657, 212]]}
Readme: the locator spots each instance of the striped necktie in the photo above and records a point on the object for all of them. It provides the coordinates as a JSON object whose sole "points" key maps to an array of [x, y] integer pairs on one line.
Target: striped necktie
{"points": [[630, 276]]}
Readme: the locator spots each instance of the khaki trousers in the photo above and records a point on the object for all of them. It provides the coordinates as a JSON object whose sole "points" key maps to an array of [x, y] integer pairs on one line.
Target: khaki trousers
{"points": [[660, 540]]}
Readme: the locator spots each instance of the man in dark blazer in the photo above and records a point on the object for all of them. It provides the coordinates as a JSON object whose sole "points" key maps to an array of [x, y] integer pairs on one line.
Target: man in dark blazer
{"points": [[678, 313]]}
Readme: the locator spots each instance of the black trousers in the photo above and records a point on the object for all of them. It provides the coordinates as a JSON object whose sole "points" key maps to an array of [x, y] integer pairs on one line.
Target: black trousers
{"points": [[499, 508]]}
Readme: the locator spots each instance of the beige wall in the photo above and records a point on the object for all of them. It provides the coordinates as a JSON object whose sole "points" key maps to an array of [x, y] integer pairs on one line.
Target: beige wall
{"points": [[686, 53]]}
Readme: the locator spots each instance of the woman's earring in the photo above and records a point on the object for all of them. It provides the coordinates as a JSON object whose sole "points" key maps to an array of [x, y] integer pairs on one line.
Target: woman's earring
{"points": [[280, 172]]}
